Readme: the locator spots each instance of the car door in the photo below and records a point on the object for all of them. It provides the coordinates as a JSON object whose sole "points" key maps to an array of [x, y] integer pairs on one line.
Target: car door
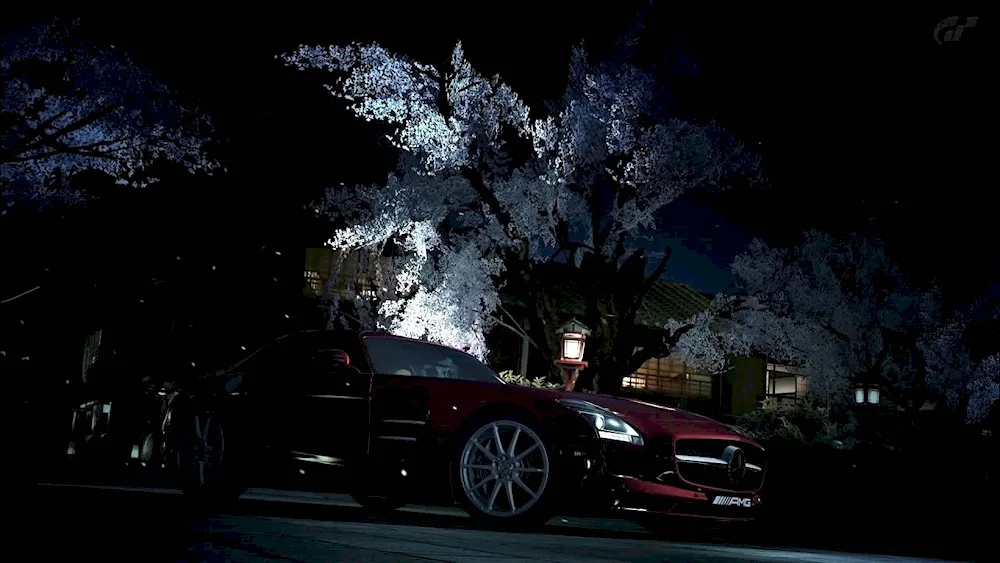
{"points": [[324, 406], [400, 409], [413, 379]]}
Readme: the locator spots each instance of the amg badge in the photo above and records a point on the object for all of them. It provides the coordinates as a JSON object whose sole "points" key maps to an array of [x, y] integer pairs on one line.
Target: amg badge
{"points": [[732, 501]]}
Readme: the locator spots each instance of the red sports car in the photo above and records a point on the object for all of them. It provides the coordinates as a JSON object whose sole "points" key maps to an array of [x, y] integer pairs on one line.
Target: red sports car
{"points": [[405, 417]]}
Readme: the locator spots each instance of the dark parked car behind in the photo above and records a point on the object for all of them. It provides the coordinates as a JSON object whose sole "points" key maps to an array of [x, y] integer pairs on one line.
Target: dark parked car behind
{"points": [[401, 416]]}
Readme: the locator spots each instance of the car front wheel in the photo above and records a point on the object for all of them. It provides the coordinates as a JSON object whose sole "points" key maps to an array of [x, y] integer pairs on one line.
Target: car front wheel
{"points": [[504, 472], [204, 465]]}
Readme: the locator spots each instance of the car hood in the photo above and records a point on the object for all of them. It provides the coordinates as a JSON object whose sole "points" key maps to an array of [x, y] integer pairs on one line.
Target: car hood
{"points": [[656, 421]]}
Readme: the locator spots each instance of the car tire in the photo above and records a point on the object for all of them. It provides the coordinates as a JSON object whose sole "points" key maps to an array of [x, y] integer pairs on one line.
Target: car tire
{"points": [[377, 504], [485, 480], [207, 470]]}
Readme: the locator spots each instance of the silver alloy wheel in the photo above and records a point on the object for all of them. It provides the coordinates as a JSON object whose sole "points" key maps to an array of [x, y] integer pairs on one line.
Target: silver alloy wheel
{"points": [[504, 468], [204, 451]]}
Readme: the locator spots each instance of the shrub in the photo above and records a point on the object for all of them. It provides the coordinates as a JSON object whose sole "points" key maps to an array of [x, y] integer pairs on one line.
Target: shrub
{"points": [[802, 424], [537, 383]]}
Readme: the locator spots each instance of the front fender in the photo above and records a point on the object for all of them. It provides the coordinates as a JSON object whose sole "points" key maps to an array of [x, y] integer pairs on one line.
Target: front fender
{"points": [[579, 451], [181, 406], [571, 435]]}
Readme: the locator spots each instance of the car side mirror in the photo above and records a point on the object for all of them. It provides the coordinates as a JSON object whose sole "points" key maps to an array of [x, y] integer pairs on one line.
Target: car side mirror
{"points": [[333, 363], [339, 358], [331, 357]]}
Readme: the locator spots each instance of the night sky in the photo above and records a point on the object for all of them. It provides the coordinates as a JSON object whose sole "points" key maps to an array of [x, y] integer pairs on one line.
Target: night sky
{"points": [[860, 120]]}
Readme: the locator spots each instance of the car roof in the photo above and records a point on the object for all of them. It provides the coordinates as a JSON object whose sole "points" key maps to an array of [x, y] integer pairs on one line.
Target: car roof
{"points": [[338, 331], [364, 333]]}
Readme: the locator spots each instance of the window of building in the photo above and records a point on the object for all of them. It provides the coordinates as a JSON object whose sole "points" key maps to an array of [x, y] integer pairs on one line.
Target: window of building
{"points": [[314, 282], [785, 382], [348, 274], [671, 377], [363, 286]]}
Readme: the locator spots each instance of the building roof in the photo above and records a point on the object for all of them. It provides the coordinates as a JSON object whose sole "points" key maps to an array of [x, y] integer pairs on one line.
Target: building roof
{"points": [[666, 300]]}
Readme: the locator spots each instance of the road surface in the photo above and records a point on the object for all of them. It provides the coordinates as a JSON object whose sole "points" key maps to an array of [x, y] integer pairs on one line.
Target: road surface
{"points": [[133, 524]]}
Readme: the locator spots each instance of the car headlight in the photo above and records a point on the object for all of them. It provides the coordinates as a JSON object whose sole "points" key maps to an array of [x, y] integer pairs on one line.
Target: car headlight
{"points": [[608, 426]]}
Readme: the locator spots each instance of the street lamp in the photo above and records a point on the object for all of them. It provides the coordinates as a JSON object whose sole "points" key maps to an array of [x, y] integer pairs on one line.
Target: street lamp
{"points": [[572, 340], [866, 393], [873, 395]]}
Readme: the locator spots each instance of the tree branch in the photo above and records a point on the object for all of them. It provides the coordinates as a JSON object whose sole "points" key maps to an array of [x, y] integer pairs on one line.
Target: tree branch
{"points": [[596, 214], [676, 335], [16, 148], [571, 247], [489, 198], [428, 71], [667, 344], [640, 357], [840, 335], [619, 247], [45, 138], [518, 331], [648, 283], [883, 353]]}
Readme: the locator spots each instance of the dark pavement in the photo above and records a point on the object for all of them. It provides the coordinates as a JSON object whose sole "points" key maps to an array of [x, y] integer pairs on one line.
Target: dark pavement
{"points": [[59, 522]]}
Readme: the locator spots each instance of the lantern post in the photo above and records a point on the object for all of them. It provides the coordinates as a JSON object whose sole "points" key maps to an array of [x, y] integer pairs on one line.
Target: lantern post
{"points": [[572, 341]]}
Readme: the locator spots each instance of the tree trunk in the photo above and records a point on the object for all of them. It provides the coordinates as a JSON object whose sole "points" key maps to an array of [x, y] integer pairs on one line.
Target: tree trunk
{"points": [[525, 348], [540, 324]]}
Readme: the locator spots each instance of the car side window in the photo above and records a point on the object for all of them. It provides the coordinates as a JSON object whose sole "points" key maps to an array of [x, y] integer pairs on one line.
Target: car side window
{"points": [[399, 356], [322, 362], [257, 371]]}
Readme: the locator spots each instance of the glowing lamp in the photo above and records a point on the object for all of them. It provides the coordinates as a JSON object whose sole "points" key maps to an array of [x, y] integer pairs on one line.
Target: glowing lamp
{"points": [[573, 339], [866, 394], [873, 395], [572, 346]]}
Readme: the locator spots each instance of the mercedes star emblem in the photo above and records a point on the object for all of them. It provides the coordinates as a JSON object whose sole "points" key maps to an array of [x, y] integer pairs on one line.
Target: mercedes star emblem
{"points": [[737, 464]]}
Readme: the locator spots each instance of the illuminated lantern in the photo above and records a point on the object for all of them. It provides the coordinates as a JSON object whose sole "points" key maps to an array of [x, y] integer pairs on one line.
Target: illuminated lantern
{"points": [[572, 342], [866, 394]]}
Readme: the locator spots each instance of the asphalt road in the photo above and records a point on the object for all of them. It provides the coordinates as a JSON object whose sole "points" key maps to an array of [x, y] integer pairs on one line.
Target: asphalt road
{"points": [[134, 524]]}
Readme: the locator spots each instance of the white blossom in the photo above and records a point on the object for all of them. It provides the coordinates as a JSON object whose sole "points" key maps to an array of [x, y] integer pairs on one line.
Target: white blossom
{"points": [[953, 372], [68, 105], [709, 342], [466, 194], [442, 285], [984, 388], [840, 309], [437, 114], [830, 306]]}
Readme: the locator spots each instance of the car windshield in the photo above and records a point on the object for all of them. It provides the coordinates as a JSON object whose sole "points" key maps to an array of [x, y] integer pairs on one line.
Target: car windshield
{"points": [[400, 356], [256, 354]]}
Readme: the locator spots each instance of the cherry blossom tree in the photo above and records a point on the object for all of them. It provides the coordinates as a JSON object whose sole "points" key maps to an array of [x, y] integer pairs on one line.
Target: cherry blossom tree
{"points": [[837, 307], [489, 188], [68, 105], [967, 385], [840, 309]]}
